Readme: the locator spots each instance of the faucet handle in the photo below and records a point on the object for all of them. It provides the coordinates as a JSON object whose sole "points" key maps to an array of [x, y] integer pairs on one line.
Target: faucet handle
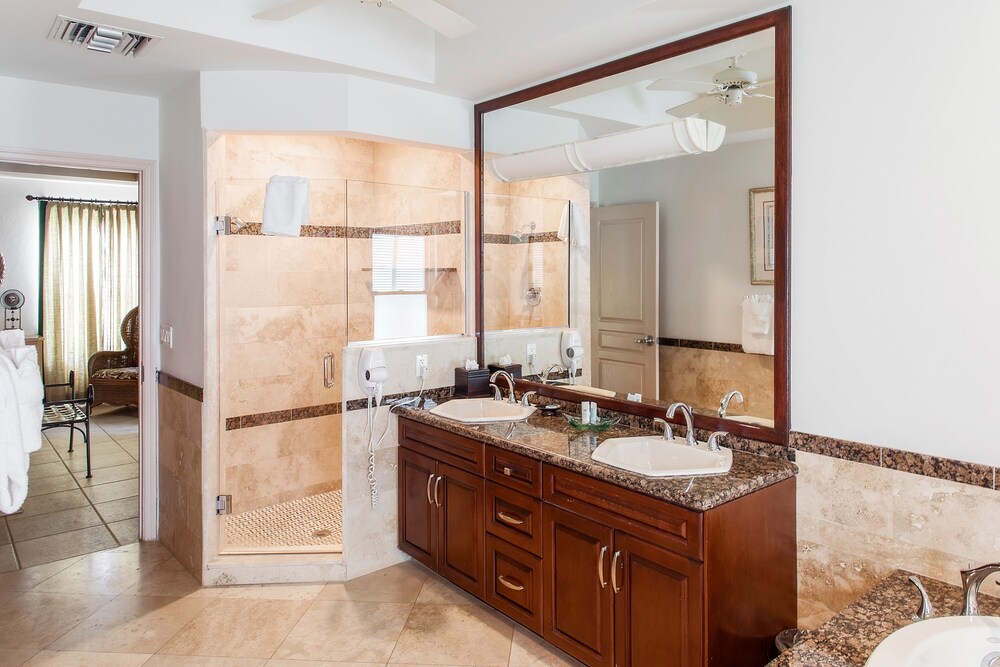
{"points": [[524, 397], [668, 433], [926, 609], [713, 440]]}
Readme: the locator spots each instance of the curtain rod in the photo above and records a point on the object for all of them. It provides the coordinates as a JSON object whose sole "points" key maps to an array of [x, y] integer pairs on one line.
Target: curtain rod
{"points": [[80, 201]]}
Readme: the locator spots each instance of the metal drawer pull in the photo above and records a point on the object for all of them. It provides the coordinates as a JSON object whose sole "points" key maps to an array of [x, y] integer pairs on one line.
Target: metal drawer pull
{"points": [[600, 567], [437, 483], [614, 572], [430, 480], [513, 587], [506, 518]]}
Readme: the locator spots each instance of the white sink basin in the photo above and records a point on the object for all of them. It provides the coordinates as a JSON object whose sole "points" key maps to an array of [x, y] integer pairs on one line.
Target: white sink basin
{"points": [[949, 640], [482, 411], [657, 457], [749, 419]]}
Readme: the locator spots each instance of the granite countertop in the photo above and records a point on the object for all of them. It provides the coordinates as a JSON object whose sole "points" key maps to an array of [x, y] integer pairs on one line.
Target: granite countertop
{"points": [[848, 639], [552, 439]]}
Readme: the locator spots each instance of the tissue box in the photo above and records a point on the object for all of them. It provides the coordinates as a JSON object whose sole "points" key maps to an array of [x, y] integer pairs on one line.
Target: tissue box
{"points": [[513, 369], [470, 384]]}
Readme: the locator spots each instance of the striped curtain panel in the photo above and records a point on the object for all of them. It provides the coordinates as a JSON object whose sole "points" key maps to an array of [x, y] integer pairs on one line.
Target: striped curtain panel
{"points": [[90, 279]]}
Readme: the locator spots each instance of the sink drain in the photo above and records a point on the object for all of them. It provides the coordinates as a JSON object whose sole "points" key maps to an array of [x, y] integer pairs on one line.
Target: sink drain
{"points": [[322, 532]]}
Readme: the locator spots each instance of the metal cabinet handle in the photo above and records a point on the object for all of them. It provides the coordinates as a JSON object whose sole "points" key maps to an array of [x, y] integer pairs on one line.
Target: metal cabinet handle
{"points": [[437, 483], [328, 370], [506, 518], [513, 587], [430, 480], [614, 572], [600, 567], [647, 340]]}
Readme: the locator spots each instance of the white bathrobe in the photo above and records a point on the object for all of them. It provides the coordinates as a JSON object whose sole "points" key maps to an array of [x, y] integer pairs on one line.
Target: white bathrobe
{"points": [[21, 396]]}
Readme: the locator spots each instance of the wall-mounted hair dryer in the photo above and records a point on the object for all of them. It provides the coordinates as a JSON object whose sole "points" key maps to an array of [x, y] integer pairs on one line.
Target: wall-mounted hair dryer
{"points": [[571, 352], [372, 372]]}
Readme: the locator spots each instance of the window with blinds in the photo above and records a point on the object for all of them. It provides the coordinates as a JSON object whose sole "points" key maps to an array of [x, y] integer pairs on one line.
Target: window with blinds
{"points": [[398, 264]]}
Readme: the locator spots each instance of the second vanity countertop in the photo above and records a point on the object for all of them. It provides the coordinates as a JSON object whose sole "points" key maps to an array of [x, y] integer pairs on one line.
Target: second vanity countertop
{"points": [[552, 439]]}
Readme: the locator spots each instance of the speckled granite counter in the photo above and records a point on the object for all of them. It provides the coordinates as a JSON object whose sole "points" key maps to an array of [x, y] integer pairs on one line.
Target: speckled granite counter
{"points": [[847, 639], [552, 439]]}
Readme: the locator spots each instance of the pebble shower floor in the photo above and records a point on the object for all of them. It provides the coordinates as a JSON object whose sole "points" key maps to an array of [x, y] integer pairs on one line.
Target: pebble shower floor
{"points": [[314, 521]]}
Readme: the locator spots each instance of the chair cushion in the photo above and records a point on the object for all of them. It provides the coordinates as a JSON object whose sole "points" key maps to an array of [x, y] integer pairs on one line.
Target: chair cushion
{"points": [[131, 373]]}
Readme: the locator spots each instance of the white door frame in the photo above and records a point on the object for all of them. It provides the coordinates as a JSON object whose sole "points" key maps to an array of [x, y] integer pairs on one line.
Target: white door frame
{"points": [[149, 297]]}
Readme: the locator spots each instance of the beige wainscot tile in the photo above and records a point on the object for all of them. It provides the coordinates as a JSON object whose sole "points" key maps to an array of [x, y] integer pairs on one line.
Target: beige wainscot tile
{"points": [[346, 631], [35, 620], [831, 579], [86, 659], [233, 628], [132, 624], [530, 650], [445, 634], [399, 583], [811, 616], [852, 494]]}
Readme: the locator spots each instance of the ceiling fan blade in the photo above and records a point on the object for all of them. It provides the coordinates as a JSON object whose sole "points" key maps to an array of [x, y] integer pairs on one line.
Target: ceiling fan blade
{"points": [[437, 16], [703, 103], [682, 85], [766, 97], [287, 10]]}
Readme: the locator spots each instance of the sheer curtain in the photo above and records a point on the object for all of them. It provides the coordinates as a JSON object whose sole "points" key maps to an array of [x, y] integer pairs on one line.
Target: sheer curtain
{"points": [[90, 279]]}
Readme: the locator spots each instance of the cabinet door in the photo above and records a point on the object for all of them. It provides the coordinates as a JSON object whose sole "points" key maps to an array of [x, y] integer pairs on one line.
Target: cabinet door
{"points": [[579, 608], [462, 556], [418, 533], [657, 605]]}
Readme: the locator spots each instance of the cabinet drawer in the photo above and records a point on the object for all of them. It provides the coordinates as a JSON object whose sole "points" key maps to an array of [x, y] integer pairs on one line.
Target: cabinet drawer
{"points": [[515, 471], [514, 517], [514, 583], [656, 520], [442, 445]]}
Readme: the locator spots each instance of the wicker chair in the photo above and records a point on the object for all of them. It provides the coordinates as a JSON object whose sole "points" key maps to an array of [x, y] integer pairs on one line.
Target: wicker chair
{"points": [[115, 375]]}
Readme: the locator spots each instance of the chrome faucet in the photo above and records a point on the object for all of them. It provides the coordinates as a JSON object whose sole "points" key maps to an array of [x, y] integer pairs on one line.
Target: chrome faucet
{"points": [[548, 369], [497, 395], [668, 433], [689, 437], [724, 404], [926, 609], [971, 579], [524, 398]]}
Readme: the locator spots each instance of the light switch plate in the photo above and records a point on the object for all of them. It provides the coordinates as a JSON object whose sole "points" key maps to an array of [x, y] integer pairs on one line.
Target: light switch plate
{"points": [[167, 336]]}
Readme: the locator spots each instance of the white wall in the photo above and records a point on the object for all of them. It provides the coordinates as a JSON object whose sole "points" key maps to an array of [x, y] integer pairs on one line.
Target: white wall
{"points": [[19, 231], [704, 233], [184, 227], [53, 117], [895, 231]]}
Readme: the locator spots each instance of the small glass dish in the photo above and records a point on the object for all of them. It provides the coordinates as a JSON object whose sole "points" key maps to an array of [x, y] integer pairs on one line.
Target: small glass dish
{"points": [[603, 423]]}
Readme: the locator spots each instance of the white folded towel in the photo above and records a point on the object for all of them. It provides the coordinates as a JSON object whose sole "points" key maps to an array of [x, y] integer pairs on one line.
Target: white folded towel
{"points": [[286, 205], [571, 226], [758, 329], [11, 338]]}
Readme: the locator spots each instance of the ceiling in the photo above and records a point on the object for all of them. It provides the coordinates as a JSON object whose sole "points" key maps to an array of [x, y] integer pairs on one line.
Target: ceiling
{"points": [[518, 42]]}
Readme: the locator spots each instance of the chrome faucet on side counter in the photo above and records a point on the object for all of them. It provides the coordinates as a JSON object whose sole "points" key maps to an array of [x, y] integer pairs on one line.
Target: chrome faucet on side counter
{"points": [[971, 580], [685, 409], [724, 404], [497, 394], [559, 368]]}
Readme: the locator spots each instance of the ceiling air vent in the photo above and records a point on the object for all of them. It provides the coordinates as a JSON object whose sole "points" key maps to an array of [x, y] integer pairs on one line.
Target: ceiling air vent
{"points": [[102, 38]]}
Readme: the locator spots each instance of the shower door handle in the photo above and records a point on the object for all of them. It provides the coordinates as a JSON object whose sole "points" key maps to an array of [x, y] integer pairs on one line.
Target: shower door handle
{"points": [[648, 340], [329, 366]]}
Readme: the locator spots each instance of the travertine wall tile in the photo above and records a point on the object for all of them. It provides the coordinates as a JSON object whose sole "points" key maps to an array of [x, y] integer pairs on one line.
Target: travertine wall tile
{"points": [[180, 462], [702, 377]]}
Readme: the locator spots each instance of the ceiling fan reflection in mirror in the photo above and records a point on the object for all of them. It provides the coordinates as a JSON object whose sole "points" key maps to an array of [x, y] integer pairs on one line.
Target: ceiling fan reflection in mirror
{"points": [[434, 14], [732, 86]]}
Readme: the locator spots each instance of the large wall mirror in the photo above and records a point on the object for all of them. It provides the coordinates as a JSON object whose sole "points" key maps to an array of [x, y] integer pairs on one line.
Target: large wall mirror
{"points": [[643, 204]]}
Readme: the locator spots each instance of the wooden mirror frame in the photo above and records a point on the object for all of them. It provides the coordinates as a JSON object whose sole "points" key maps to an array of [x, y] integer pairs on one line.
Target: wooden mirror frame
{"points": [[780, 21]]}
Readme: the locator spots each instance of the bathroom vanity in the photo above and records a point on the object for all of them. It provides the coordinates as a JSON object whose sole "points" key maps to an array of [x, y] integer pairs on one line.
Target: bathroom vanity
{"points": [[612, 567]]}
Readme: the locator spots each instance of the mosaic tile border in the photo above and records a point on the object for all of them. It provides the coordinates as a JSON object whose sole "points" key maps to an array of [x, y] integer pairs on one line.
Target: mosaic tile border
{"points": [[437, 394], [701, 345], [180, 386], [282, 416], [510, 239], [951, 470], [340, 231]]}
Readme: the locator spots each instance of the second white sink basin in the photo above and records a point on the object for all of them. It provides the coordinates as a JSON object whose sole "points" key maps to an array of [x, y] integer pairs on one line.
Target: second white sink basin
{"points": [[482, 411], [948, 640], [656, 457]]}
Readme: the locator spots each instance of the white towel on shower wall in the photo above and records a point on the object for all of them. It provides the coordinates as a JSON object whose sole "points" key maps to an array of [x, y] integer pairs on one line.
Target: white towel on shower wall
{"points": [[758, 324], [286, 205], [571, 226]]}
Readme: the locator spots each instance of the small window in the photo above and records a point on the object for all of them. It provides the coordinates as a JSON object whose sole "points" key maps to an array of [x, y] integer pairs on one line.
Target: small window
{"points": [[398, 263]]}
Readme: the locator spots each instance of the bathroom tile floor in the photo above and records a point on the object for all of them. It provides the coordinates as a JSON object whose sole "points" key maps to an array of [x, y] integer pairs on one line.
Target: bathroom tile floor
{"points": [[66, 514], [135, 605]]}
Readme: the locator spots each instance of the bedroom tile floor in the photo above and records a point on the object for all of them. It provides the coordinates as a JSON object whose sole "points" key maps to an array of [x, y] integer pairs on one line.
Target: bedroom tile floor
{"points": [[67, 515], [135, 605]]}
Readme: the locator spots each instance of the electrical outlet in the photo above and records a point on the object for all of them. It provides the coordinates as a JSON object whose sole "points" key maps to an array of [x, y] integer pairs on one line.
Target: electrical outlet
{"points": [[421, 364], [167, 336], [532, 349]]}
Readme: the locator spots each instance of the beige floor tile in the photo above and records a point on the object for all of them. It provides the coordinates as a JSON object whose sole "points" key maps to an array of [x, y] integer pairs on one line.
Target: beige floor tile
{"points": [[8, 561], [126, 532], [271, 592], [53, 502], [119, 510], [45, 455], [530, 650], [64, 545], [146, 553], [105, 572], [35, 620], [103, 493], [438, 591], [445, 634], [100, 461], [4, 533], [29, 577], [132, 447], [108, 475], [169, 578], [80, 659], [320, 663], [346, 631], [399, 583], [198, 661], [41, 470], [237, 628], [37, 487], [23, 528], [132, 624], [15, 657]]}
